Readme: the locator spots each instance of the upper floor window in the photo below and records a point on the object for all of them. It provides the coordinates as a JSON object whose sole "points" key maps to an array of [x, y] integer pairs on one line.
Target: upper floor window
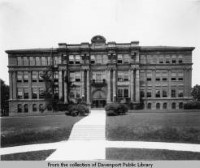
{"points": [[38, 61], [71, 59], [41, 93], [49, 61], [26, 61], [122, 92], [44, 61], [119, 59], [173, 59], [157, 93], [92, 59], [41, 77], [19, 93], [123, 76], [161, 60], [32, 61], [167, 59], [26, 95], [99, 59], [149, 93], [180, 93], [34, 76], [25, 77], [126, 58], [180, 59], [34, 93], [164, 93], [173, 93], [78, 59], [19, 61], [19, 77]]}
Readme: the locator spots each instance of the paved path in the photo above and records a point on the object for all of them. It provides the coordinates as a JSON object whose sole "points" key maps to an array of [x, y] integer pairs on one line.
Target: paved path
{"points": [[87, 142]]}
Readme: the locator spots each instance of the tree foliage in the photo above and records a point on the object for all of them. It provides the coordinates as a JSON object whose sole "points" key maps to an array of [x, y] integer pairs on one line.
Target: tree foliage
{"points": [[4, 98], [196, 92]]}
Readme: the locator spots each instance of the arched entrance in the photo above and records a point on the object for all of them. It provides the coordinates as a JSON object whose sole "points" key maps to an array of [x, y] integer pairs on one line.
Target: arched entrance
{"points": [[98, 99]]}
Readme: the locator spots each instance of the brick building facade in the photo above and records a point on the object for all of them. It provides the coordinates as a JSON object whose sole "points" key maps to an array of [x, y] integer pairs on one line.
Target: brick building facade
{"points": [[158, 76]]}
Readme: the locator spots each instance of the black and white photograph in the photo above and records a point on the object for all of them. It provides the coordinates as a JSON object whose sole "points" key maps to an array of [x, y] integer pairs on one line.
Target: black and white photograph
{"points": [[112, 82]]}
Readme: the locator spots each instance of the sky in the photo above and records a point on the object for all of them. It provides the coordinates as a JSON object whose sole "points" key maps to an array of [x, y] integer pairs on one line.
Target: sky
{"points": [[45, 23]]}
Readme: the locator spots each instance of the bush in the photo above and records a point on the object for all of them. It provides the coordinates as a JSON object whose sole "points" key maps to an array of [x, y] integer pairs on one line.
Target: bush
{"points": [[77, 109], [116, 109], [192, 105]]}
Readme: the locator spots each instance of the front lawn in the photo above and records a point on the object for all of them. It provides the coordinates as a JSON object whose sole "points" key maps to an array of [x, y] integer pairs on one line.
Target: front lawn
{"points": [[36, 155], [165, 127], [149, 154], [36, 129]]}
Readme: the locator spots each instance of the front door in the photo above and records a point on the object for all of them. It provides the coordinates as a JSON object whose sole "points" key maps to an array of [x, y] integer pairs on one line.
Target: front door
{"points": [[99, 103], [99, 99]]}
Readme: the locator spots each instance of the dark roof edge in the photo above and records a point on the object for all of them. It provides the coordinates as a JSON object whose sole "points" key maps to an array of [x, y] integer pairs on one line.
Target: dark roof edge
{"points": [[34, 50], [167, 48]]}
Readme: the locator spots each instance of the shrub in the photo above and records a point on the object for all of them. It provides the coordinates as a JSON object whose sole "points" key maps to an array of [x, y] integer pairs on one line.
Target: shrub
{"points": [[192, 105], [77, 109], [115, 109]]}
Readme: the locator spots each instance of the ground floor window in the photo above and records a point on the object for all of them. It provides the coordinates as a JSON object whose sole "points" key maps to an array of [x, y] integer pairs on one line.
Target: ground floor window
{"points": [[149, 105], [41, 108], [164, 105], [173, 105], [181, 105], [34, 107], [26, 108], [157, 105], [19, 108]]}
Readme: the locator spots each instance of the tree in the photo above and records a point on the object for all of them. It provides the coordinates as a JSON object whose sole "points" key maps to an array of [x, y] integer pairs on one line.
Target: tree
{"points": [[4, 98], [196, 92]]}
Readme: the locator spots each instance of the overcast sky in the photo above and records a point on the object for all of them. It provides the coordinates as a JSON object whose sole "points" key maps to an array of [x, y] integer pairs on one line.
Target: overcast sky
{"points": [[45, 23]]}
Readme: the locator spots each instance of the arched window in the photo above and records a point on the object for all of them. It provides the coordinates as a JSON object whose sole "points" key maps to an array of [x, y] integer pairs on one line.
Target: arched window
{"points": [[149, 105], [26, 108], [164, 105], [41, 109], [19, 108], [180, 105], [34, 107], [173, 105], [157, 105]]}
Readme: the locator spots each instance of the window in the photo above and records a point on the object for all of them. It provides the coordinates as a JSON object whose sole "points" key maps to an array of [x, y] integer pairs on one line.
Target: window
{"points": [[92, 59], [164, 105], [71, 59], [34, 93], [26, 95], [40, 77], [126, 59], [126, 77], [32, 61], [34, 107], [149, 106], [173, 93], [77, 76], [167, 60], [181, 105], [99, 59], [41, 108], [26, 61], [180, 59], [41, 93], [25, 77], [142, 93], [164, 93], [75, 92], [19, 61], [119, 92], [161, 60], [119, 59], [173, 79], [38, 61], [34, 76], [49, 60], [19, 77], [123, 76], [180, 93], [26, 108], [157, 93], [180, 79], [157, 105], [173, 59], [78, 59], [173, 105], [148, 79], [44, 61], [157, 79], [56, 93], [19, 108], [125, 92], [56, 76], [149, 93], [19, 93], [164, 79]]}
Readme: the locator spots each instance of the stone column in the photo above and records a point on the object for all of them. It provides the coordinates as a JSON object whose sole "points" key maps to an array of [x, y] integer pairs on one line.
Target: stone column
{"points": [[153, 79], [82, 84], [137, 85], [169, 83], [65, 88], [14, 85], [132, 85], [88, 86], [109, 87], [114, 85], [11, 85], [60, 84], [30, 84]]}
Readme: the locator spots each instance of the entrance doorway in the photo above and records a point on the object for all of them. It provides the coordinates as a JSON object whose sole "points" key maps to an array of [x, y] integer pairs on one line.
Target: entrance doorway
{"points": [[99, 99]]}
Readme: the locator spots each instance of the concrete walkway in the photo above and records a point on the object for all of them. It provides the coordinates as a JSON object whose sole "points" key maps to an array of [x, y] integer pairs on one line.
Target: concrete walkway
{"points": [[87, 142]]}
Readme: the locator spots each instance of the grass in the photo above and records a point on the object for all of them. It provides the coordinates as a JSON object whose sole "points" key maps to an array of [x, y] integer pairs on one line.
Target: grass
{"points": [[165, 127], [36, 155], [149, 154], [36, 129]]}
